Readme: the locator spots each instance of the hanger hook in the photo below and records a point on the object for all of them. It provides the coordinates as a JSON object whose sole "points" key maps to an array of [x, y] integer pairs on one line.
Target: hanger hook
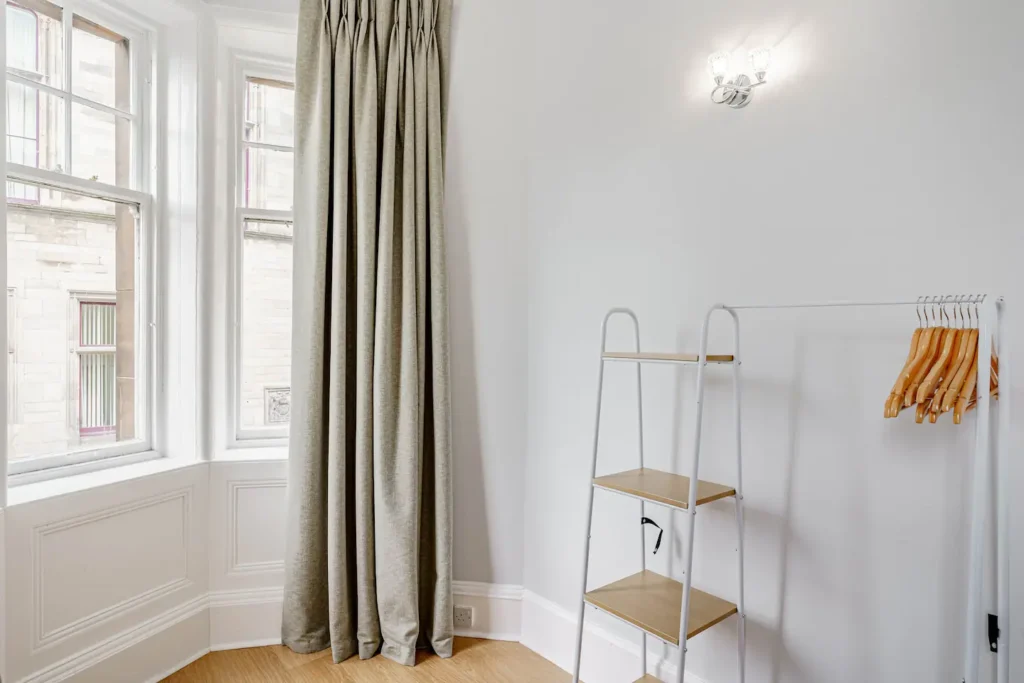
{"points": [[956, 310], [917, 309], [945, 313]]}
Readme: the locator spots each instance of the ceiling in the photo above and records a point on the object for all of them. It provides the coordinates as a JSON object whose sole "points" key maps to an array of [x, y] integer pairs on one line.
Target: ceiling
{"points": [[290, 6]]}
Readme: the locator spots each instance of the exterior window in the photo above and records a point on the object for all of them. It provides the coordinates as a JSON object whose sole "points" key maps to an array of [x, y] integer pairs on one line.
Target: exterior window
{"points": [[97, 395], [76, 234], [263, 302], [22, 102], [268, 140]]}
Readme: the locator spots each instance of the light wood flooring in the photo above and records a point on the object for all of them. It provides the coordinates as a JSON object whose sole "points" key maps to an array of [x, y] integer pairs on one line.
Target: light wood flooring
{"points": [[490, 661]]}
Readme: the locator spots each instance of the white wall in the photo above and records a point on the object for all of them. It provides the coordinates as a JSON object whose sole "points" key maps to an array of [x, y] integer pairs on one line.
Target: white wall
{"points": [[882, 161], [486, 229]]}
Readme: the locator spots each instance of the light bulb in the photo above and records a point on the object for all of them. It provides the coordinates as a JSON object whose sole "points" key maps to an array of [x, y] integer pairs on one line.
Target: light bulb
{"points": [[760, 60], [718, 64]]}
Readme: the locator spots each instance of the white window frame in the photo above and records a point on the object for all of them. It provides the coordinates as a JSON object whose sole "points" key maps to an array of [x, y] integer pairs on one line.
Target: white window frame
{"points": [[245, 67], [142, 59]]}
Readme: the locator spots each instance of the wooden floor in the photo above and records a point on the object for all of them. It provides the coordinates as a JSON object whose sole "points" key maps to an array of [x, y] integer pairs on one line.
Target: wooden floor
{"points": [[490, 661]]}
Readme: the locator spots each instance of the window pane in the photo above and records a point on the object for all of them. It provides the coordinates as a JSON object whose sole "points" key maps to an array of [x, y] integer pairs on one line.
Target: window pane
{"points": [[101, 69], [35, 41], [269, 112], [268, 179], [100, 146], [96, 323], [72, 346], [266, 325], [35, 128], [98, 405]]}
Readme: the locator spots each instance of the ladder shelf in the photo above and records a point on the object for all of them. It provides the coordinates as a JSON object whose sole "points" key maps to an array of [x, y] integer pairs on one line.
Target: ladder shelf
{"points": [[659, 606], [688, 358], [653, 602], [662, 488]]}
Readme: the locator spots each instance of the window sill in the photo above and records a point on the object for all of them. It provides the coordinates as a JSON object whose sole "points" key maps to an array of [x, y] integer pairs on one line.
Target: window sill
{"points": [[59, 484]]}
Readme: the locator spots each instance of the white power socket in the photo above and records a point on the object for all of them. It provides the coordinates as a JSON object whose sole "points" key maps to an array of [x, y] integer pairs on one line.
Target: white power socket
{"points": [[463, 616]]}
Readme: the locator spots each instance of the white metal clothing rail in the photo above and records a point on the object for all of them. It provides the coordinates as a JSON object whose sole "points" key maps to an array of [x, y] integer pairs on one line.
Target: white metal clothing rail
{"points": [[991, 316]]}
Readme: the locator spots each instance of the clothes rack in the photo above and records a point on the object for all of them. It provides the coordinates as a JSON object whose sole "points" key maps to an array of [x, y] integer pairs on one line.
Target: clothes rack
{"points": [[640, 600]]}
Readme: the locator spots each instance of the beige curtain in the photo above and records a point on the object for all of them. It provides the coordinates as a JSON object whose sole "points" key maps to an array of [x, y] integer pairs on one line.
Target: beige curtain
{"points": [[368, 564]]}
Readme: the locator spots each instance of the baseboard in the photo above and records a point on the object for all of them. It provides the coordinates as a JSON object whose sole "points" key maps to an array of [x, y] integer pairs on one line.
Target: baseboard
{"points": [[550, 630], [179, 666], [245, 618], [85, 660], [252, 618], [497, 609], [235, 619]]}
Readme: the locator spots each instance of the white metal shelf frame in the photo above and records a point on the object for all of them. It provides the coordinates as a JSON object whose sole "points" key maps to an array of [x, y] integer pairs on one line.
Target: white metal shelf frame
{"points": [[701, 362]]}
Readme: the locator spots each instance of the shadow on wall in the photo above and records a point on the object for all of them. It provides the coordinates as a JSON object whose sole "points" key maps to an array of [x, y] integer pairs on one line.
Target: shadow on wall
{"points": [[472, 558]]}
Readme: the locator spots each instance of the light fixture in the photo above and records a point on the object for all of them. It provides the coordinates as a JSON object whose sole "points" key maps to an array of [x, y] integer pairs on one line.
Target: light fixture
{"points": [[718, 64], [737, 92]]}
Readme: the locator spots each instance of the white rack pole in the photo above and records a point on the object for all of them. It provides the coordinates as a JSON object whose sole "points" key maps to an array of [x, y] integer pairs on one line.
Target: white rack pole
{"points": [[825, 304], [982, 458], [1003, 503], [737, 362], [684, 617]]}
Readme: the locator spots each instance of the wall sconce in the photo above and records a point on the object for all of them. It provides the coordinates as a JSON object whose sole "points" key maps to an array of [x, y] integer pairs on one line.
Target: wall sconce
{"points": [[737, 92]]}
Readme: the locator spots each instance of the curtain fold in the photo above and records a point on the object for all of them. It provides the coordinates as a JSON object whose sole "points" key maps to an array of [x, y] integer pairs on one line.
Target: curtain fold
{"points": [[368, 558]]}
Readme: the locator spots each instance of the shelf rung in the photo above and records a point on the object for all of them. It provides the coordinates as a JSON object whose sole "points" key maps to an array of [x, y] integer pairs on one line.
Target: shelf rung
{"points": [[653, 602], [648, 679], [632, 357], [664, 488]]}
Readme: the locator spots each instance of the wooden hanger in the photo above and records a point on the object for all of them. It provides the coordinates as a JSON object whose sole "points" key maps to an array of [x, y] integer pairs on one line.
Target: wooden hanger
{"points": [[934, 352], [960, 356], [914, 341], [922, 368], [918, 348], [968, 389], [963, 369], [941, 366]]}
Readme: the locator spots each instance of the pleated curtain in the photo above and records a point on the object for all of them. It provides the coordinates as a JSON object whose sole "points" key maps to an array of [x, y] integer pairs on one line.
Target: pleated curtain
{"points": [[369, 549]]}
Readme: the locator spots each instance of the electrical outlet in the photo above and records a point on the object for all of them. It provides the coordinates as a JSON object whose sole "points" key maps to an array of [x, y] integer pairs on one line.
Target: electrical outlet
{"points": [[463, 616]]}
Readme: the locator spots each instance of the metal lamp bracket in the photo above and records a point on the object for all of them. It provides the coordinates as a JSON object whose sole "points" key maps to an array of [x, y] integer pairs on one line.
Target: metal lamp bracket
{"points": [[735, 93]]}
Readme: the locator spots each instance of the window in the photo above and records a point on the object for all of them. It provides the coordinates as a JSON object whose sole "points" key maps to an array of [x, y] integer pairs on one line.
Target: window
{"points": [[22, 104], [267, 144], [97, 357], [78, 255], [263, 263]]}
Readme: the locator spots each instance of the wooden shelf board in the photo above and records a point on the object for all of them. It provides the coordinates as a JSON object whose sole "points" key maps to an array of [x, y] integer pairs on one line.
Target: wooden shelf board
{"points": [[663, 487], [653, 602], [665, 357], [648, 679]]}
